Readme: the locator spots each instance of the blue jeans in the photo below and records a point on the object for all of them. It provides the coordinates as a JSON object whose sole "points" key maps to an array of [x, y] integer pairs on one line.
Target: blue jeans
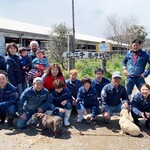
{"points": [[94, 110], [20, 88], [21, 123], [68, 106], [113, 109], [10, 111], [131, 81]]}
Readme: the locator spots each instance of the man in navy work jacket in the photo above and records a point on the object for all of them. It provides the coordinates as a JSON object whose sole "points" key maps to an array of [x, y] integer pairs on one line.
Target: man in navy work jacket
{"points": [[8, 99], [34, 99], [133, 66], [87, 99], [114, 97], [99, 82]]}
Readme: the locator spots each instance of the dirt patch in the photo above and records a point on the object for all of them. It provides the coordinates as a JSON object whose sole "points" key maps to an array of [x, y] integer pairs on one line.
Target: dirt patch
{"points": [[95, 135]]}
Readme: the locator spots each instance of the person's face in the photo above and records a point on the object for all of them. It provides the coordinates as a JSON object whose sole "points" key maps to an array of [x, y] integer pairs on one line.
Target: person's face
{"points": [[3, 81], [99, 75], [58, 90], [116, 81], [38, 86], [136, 46], [87, 86], [34, 47], [54, 71], [40, 56], [145, 91], [73, 76], [24, 53], [12, 50]]}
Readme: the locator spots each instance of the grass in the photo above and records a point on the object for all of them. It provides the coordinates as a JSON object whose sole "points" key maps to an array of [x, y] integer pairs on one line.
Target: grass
{"points": [[86, 67]]}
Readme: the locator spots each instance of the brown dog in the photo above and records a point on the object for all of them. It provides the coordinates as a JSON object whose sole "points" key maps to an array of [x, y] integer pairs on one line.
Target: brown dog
{"points": [[53, 122]]}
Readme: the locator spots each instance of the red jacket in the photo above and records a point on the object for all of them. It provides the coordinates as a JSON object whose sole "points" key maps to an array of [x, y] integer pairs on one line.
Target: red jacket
{"points": [[48, 81]]}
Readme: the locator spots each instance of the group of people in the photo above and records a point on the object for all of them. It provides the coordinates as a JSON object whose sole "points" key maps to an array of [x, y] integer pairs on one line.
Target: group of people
{"points": [[51, 94]]}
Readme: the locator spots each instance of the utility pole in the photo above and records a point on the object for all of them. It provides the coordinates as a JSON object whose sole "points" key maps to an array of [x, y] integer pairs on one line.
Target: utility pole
{"points": [[73, 27], [71, 61]]}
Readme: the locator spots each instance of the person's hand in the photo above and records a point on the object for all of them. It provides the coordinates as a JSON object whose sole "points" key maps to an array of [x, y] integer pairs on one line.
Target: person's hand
{"points": [[24, 116], [63, 103], [106, 115], [74, 101], [147, 115], [142, 76], [39, 110], [24, 67], [40, 66], [61, 110], [142, 114], [89, 117], [126, 72]]}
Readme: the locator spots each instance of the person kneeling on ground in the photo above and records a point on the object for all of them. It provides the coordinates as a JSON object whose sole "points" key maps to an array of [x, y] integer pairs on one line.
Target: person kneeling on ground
{"points": [[87, 99], [140, 106], [8, 99], [34, 99], [62, 100], [114, 97]]}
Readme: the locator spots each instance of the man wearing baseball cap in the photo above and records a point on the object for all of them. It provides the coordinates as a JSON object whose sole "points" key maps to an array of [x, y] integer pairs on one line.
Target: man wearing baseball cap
{"points": [[34, 99], [114, 97]]}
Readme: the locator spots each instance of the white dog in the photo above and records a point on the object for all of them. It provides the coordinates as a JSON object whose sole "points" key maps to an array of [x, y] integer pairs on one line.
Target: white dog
{"points": [[126, 125]]}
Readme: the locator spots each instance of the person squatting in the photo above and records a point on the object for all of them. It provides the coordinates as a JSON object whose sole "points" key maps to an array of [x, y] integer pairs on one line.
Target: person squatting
{"points": [[51, 94]]}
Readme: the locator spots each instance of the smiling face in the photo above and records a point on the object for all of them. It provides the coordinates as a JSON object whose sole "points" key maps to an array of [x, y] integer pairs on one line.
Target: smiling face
{"points": [[54, 71], [136, 46], [145, 91], [34, 47], [3, 81], [12, 50]]}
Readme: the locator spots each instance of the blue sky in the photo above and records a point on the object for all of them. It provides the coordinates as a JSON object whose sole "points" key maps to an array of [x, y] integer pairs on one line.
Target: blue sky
{"points": [[90, 15]]}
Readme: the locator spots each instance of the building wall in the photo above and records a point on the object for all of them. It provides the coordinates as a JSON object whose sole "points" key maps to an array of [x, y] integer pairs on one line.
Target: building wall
{"points": [[2, 44]]}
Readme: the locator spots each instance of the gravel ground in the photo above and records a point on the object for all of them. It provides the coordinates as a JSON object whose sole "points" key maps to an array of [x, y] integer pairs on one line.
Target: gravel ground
{"points": [[96, 136]]}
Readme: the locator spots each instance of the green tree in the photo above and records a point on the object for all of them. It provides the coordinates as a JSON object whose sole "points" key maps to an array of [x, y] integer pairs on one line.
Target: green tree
{"points": [[57, 45], [136, 32]]}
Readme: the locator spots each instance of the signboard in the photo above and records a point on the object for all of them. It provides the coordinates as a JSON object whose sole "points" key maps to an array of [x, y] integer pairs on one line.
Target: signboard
{"points": [[105, 47], [90, 55]]}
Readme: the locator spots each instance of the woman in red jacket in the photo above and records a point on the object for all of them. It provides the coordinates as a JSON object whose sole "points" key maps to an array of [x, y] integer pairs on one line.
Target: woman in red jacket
{"points": [[53, 72]]}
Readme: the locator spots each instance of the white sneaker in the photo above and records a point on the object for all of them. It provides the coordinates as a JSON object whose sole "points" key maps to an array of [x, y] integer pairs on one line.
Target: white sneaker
{"points": [[66, 122], [80, 118]]}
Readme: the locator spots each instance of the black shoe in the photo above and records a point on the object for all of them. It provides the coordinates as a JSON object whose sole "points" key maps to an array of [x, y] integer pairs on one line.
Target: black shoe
{"points": [[147, 124], [10, 125], [2, 120]]}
